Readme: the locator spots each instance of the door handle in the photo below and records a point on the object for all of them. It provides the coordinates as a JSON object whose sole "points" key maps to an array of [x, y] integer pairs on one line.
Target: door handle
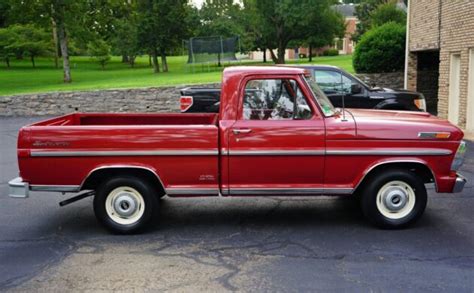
{"points": [[239, 131]]}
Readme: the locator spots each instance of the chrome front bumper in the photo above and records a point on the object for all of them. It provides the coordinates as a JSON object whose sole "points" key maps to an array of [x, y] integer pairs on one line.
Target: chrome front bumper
{"points": [[18, 188], [459, 183]]}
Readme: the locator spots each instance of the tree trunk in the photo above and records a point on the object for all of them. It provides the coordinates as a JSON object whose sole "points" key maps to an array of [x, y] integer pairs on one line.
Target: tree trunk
{"points": [[131, 61], [310, 53], [164, 62], [149, 60], [264, 55], [272, 54], [125, 59], [7, 60], [55, 41], [154, 60], [281, 54], [62, 35], [33, 61]]}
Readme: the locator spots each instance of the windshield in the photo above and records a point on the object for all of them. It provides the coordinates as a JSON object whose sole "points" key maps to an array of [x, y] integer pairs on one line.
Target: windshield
{"points": [[323, 101]]}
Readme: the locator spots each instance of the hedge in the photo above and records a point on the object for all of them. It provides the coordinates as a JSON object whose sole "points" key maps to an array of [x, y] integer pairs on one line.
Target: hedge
{"points": [[381, 49]]}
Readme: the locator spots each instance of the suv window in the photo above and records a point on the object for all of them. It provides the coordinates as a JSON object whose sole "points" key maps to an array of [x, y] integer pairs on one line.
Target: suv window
{"points": [[333, 82], [275, 99]]}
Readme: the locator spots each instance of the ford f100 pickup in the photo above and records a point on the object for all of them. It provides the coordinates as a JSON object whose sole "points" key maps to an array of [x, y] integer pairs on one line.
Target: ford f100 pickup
{"points": [[276, 135]]}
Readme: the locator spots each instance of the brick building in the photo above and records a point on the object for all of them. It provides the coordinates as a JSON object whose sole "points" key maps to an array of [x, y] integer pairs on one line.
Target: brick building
{"points": [[440, 57], [346, 45]]}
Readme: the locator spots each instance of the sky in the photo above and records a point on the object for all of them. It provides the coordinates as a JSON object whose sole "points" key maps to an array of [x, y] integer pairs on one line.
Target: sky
{"points": [[197, 3]]}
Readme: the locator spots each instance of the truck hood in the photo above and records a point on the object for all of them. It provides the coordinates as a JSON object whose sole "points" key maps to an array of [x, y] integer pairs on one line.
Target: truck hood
{"points": [[384, 124]]}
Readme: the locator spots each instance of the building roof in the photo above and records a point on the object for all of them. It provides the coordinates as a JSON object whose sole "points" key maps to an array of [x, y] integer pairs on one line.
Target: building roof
{"points": [[347, 10]]}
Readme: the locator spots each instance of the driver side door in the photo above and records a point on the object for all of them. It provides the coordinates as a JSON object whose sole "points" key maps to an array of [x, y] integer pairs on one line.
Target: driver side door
{"points": [[277, 144]]}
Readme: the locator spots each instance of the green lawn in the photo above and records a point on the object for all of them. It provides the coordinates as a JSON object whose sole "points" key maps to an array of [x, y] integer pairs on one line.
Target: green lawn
{"points": [[87, 75]]}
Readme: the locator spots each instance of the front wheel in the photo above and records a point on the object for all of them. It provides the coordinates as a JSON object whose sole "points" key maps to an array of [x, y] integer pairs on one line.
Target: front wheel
{"points": [[125, 205], [394, 199]]}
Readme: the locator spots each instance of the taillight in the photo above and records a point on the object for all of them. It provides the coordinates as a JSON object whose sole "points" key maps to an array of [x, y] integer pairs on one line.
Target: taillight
{"points": [[420, 104], [185, 103]]}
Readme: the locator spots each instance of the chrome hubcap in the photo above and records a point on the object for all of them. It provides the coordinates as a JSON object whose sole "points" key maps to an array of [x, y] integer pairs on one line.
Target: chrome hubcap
{"points": [[125, 205], [396, 200]]}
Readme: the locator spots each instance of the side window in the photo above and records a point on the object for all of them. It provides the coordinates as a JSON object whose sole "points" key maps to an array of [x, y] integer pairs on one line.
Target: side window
{"points": [[274, 99], [333, 82]]}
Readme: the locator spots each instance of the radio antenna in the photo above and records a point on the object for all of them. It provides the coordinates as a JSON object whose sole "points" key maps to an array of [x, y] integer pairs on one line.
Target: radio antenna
{"points": [[343, 104]]}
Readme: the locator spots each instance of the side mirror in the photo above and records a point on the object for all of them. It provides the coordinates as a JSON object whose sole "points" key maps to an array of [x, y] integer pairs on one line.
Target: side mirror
{"points": [[356, 89]]}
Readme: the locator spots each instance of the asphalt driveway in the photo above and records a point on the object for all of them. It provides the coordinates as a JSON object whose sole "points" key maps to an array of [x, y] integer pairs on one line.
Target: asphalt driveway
{"points": [[248, 244]]}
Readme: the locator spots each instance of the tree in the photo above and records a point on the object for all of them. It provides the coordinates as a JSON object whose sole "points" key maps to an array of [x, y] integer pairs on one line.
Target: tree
{"points": [[161, 27], [100, 51], [386, 13], [30, 40], [363, 13], [6, 52], [286, 21], [62, 16], [220, 18], [325, 27], [125, 41], [381, 49], [4, 9]]}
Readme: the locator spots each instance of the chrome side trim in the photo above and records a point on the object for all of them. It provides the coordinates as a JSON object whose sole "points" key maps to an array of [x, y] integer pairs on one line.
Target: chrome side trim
{"points": [[388, 152], [278, 153], [288, 191], [124, 153], [123, 167], [343, 152], [56, 188], [395, 162], [192, 191]]}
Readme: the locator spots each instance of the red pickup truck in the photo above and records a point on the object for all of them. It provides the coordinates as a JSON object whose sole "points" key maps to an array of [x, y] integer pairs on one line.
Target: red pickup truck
{"points": [[276, 134]]}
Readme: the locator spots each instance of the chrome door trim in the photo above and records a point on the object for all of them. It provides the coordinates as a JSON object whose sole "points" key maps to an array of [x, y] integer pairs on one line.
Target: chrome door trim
{"points": [[192, 191], [124, 153], [287, 191], [277, 153]]}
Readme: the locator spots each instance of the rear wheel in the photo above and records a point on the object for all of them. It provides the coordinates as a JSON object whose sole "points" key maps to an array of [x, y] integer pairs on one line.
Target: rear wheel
{"points": [[125, 204], [394, 199]]}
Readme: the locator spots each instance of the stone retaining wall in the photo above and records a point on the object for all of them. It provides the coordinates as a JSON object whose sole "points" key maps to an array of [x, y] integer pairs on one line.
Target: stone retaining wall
{"points": [[162, 99], [393, 80]]}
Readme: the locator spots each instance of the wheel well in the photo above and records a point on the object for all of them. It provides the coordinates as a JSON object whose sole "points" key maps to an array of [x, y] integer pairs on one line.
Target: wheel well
{"points": [[420, 169], [98, 176]]}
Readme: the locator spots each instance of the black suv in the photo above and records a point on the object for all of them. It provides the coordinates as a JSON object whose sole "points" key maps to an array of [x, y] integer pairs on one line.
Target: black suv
{"points": [[336, 83]]}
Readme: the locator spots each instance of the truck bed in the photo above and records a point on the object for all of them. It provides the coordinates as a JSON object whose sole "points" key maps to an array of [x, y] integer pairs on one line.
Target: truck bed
{"points": [[181, 148], [129, 119]]}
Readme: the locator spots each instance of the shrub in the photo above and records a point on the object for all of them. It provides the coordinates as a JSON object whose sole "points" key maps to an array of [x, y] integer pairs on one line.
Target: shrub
{"points": [[99, 50], [331, 52], [381, 49], [302, 55]]}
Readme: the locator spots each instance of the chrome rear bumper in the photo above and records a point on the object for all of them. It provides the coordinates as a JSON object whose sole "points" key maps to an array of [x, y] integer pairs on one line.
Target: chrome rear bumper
{"points": [[459, 183], [18, 188]]}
